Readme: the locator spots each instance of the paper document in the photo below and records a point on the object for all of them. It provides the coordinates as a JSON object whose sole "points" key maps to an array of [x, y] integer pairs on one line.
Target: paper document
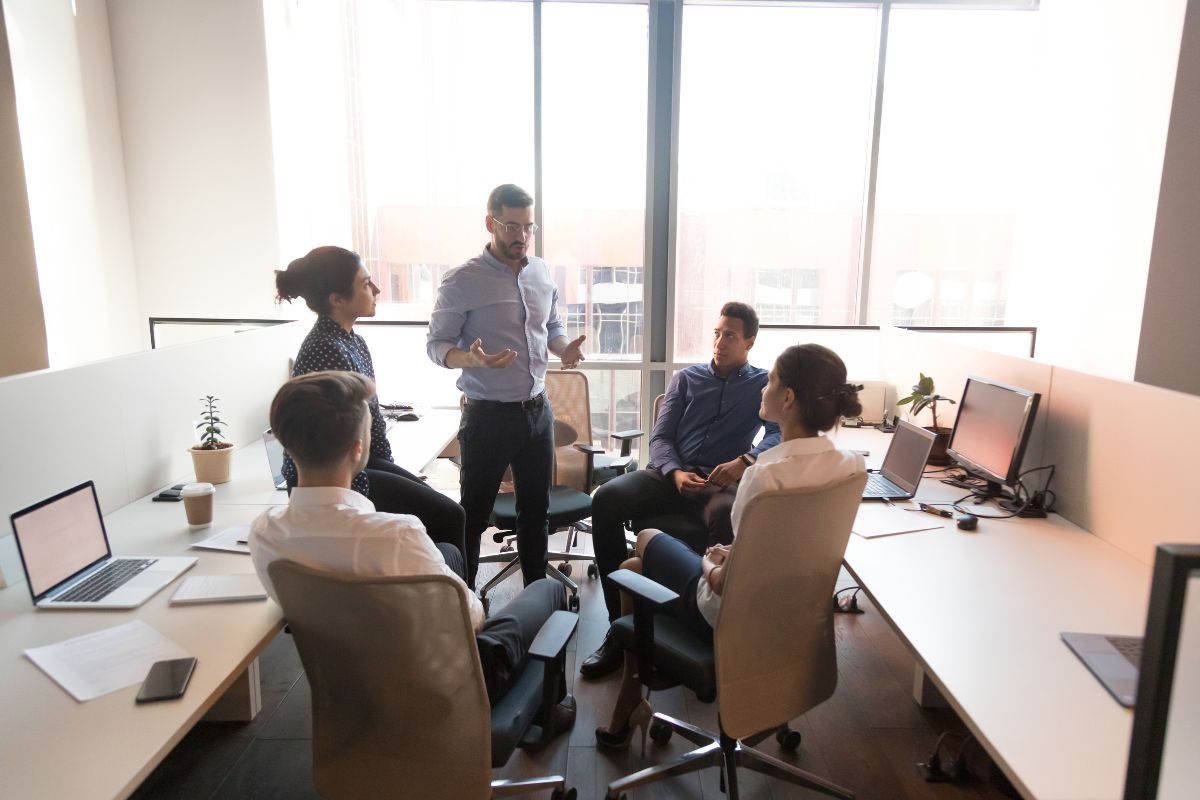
{"points": [[219, 589], [880, 519], [97, 663], [231, 540]]}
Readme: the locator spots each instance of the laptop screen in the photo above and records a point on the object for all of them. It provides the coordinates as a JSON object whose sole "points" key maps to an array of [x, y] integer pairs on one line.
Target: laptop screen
{"points": [[274, 456], [60, 537], [905, 460]]}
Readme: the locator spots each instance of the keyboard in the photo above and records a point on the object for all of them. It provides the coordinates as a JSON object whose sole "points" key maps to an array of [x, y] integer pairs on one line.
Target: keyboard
{"points": [[102, 583], [1128, 646], [879, 485]]}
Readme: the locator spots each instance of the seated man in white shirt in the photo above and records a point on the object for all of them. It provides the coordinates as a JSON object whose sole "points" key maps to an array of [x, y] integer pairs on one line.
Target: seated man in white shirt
{"points": [[323, 421]]}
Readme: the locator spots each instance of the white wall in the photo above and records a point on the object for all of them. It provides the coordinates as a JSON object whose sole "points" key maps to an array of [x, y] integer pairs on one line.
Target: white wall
{"points": [[195, 114], [1083, 246], [71, 144]]}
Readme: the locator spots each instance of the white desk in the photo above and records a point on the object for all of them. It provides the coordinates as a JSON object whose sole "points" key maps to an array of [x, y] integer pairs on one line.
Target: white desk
{"points": [[52, 746], [982, 612]]}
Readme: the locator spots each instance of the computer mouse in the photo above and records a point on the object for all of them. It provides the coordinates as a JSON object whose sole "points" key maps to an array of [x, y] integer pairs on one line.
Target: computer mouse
{"points": [[407, 416], [968, 522]]}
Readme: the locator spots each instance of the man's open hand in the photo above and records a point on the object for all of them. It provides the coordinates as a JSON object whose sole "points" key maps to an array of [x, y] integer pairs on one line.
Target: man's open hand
{"points": [[572, 354], [477, 358]]}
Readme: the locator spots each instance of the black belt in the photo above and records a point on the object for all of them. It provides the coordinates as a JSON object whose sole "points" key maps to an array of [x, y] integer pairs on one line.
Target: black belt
{"points": [[533, 402]]}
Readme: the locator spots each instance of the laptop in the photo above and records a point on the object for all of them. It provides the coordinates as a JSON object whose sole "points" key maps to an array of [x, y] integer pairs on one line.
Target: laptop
{"points": [[274, 458], [68, 562], [903, 465], [1114, 660]]}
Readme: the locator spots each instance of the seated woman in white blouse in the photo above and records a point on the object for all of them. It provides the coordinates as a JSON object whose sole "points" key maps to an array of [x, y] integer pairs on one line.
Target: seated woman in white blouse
{"points": [[806, 394]]}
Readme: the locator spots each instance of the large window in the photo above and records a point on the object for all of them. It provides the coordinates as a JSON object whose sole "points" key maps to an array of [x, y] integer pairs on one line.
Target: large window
{"points": [[773, 137]]}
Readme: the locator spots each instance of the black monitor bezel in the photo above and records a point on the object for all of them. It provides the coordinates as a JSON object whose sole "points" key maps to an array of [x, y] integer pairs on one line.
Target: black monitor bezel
{"points": [[1018, 456], [1173, 565]]}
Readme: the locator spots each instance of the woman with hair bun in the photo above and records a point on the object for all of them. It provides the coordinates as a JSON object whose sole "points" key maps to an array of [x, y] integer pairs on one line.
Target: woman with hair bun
{"points": [[806, 394], [337, 287]]}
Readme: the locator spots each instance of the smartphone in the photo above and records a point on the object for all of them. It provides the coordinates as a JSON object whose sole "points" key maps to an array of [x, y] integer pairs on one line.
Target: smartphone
{"points": [[166, 680], [174, 494]]}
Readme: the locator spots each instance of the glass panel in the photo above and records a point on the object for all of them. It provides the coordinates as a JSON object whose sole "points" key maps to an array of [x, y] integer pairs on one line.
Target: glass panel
{"points": [[954, 148], [440, 119], [615, 398], [594, 168], [771, 172]]}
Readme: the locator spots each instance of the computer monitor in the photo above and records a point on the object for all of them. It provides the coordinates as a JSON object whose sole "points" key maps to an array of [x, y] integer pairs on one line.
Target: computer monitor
{"points": [[1166, 718], [991, 431]]}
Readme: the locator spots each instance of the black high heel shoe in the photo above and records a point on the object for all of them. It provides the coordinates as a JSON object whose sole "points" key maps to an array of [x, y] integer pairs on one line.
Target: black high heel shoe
{"points": [[639, 719]]}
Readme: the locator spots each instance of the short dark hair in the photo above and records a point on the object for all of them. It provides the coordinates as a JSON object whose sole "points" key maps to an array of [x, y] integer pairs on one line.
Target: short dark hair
{"points": [[317, 416], [817, 376], [507, 195], [746, 314], [316, 275]]}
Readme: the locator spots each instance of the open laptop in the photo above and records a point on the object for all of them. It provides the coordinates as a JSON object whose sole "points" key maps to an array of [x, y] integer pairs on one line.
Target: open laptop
{"points": [[903, 465], [1114, 660], [274, 458], [68, 562]]}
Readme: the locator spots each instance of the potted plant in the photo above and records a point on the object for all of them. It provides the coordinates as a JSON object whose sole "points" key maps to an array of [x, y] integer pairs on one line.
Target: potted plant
{"points": [[211, 457], [924, 396]]}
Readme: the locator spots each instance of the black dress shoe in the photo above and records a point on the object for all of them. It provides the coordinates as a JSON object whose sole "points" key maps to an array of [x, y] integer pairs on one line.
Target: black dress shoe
{"points": [[609, 657]]}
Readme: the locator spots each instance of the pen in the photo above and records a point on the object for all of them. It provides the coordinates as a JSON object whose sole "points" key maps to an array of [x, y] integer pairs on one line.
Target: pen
{"points": [[939, 512]]}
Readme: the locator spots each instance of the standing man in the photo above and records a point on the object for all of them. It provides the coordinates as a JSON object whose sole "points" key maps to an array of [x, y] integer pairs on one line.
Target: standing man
{"points": [[702, 442], [496, 318]]}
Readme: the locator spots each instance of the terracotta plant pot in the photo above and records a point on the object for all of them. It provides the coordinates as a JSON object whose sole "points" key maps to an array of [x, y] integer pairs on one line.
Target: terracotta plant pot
{"points": [[212, 466], [937, 455]]}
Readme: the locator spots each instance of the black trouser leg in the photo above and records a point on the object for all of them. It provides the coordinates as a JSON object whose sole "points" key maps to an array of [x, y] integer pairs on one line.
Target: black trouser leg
{"points": [[505, 637], [405, 493]]}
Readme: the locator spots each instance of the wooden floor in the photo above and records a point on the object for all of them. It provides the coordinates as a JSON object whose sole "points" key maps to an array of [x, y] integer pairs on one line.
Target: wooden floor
{"points": [[868, 737]]}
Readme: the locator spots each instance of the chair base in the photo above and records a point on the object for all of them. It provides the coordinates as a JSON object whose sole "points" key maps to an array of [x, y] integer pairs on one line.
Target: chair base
{"points": [[726, 753], [507, 788], [512, 563]]}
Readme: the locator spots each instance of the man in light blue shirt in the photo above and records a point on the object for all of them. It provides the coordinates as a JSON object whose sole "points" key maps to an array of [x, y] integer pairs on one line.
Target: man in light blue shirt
{"points": [[496, 318]]}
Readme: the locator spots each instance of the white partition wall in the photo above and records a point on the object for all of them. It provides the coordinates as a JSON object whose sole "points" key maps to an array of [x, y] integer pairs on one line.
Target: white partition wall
{"points": [[127, 422]]}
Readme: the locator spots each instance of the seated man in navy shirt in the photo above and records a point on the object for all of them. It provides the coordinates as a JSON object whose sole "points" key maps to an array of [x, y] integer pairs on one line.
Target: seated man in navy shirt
{"points": [[699, 448]]}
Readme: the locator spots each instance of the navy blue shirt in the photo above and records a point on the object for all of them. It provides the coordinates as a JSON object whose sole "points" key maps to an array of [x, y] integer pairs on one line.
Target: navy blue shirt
{"points": [[705, 420], [329, 346]]}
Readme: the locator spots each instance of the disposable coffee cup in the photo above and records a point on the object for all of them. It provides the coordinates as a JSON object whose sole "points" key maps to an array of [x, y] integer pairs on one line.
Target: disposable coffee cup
{"points": [[198, 504]]}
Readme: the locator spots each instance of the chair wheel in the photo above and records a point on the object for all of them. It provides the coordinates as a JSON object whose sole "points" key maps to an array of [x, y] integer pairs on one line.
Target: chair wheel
{"points": [[498, 537], [660, 732], [559, 794], [565, 568], [593, 571], [573, 602], [508, 548], [788, 739]]}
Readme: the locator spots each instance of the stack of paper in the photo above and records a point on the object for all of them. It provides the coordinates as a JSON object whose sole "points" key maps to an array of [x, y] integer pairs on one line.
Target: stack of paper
{"points": [[880, 519]]}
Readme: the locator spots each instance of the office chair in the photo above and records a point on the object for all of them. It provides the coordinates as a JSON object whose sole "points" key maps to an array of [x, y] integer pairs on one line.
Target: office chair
{"points": [[576, 461], [398, 700], [773, 655]]}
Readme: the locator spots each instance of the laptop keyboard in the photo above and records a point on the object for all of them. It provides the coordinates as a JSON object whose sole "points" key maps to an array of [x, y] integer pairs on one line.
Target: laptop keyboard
{"points": [[100, 585], [877, 484], [1128, 646]]}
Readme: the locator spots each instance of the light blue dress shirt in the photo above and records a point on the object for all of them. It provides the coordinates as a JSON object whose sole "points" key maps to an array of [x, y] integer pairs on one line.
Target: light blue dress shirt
{"points": [[483, 299]]}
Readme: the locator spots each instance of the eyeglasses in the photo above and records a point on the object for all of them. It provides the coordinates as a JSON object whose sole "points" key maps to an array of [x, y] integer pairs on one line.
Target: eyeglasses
{"points": [[513, 228]]}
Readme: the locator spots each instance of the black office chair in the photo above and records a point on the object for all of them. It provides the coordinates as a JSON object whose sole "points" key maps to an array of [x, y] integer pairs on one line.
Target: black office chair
{"points": [[399, 704], [773, 655]]}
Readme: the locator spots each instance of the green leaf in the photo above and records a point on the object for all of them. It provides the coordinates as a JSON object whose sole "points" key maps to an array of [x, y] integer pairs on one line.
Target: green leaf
{"points": [[908, 399]]}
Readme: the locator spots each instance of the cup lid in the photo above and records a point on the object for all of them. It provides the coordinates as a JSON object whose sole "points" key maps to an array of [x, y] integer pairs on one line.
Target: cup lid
{"points": [[197, 489]]}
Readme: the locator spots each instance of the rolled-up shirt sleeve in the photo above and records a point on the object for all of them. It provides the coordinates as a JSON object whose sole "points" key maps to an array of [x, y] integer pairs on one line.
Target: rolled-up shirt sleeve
{"points": [[447, 320], [554, 324]]}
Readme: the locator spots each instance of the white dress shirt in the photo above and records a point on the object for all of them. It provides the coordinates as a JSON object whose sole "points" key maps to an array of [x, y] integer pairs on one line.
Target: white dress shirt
{"points": [[339, 529], [794, 464]]}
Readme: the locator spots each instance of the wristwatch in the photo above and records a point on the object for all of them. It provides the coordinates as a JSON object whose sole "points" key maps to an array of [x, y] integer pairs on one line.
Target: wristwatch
{"points": [[747, 459]]}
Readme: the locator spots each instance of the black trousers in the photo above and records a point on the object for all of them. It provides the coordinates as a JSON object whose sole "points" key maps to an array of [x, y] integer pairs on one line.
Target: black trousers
{"points": [[641, 494], [505, 637], [492, 437], [397, 491]]}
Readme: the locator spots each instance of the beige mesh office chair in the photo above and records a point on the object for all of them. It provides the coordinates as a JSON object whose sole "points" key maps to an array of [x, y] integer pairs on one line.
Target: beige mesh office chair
{"points": [[576, 459], [398, 699], [773, 655]]}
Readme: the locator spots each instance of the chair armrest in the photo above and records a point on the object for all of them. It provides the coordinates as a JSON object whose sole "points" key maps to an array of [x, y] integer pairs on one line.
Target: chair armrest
{"points": [[626, 439], [591, 449], [643, 588], [552, 639]]}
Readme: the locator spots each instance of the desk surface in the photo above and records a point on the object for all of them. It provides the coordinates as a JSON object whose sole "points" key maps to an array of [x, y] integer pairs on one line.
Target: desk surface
{"points": [[982, 612], [52, 746]]}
